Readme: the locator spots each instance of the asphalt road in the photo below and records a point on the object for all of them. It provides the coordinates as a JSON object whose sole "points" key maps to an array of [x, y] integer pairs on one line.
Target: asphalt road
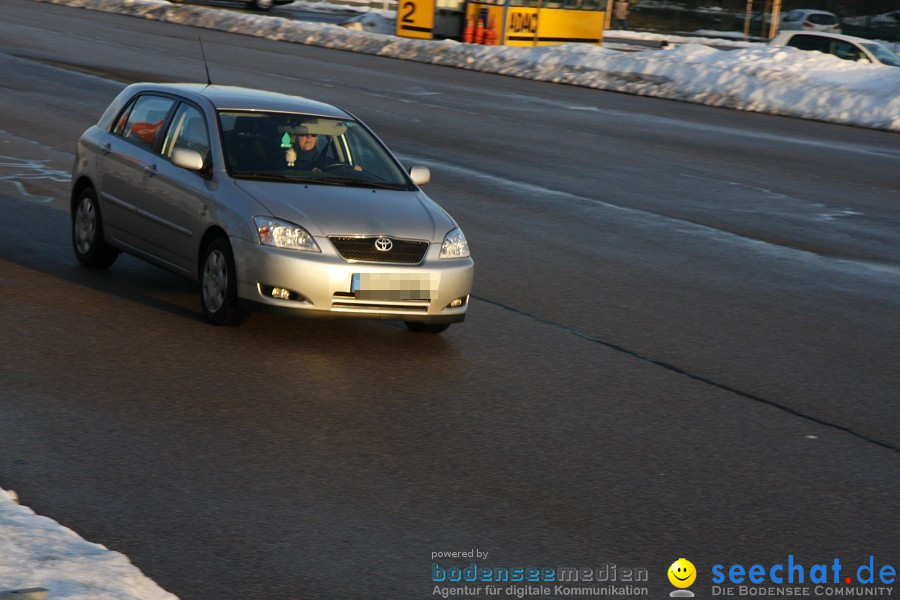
{"points": [[684, 340]]}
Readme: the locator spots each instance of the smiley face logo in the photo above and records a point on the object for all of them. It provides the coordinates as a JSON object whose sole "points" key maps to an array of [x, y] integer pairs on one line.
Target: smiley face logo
{"points": [[682, 573]]}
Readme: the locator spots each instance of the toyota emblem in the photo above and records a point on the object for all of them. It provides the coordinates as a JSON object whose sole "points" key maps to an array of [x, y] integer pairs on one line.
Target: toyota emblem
{"points": [[383, 244]]}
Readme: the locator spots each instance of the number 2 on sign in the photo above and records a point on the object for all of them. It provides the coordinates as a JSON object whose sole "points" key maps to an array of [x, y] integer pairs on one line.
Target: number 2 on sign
{"points": [[410, 7]]}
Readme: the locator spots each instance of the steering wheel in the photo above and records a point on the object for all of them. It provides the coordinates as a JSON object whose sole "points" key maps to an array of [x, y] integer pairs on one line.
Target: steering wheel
{"points": [[337, 165]]}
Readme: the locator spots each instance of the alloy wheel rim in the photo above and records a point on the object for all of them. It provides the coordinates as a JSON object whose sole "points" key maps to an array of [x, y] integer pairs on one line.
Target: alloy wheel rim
{"points": [[215, 281], [85, 226]]}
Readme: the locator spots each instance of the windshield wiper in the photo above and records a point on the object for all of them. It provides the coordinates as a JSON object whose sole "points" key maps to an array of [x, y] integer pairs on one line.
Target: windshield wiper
{"points": [[361, 183], [339, 181], [276, 176], [283, 177]]}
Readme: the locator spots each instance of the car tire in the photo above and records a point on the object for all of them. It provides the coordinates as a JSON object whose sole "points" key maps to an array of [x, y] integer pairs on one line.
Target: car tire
{"points": [[88, 243], [218, 285], [262, 4], [417, 327]]}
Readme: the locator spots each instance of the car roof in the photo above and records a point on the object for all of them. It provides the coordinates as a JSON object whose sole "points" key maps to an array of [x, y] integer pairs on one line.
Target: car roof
{"points": [[828, 34], [810, 11], [224, 97]]}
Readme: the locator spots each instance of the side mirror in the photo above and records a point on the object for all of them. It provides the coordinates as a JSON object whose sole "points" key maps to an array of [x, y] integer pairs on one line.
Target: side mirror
{"points": [[420, 175], [187, 159]]}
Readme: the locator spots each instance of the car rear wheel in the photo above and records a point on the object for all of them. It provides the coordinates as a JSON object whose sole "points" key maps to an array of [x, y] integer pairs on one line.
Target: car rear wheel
{"points": [[261, 4], [218, 285], [426, 327], [88, 242]]}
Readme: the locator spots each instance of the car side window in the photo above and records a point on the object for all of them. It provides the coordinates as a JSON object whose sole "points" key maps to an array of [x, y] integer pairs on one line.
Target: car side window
{"points": [[792, 16], [119, 127], [848, 51], [146, 119], [188, 130], [811, 42]]}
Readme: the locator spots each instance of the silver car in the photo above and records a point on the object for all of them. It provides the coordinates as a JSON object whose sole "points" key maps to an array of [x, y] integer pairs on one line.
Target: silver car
{"points": [[267, 200], [810, 20]]}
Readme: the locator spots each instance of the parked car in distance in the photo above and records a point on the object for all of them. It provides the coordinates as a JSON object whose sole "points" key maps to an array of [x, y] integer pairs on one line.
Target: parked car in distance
{"points": [[842, 46], [255, 4], [268, 200], [810, 20]]}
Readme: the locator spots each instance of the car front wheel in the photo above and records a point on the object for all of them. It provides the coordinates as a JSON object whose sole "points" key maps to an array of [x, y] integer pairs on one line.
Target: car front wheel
{"points": [[88, 242], [218, 285]]}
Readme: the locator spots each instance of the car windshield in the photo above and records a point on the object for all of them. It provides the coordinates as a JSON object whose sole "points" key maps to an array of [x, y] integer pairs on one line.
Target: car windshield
{"points": [[883, 54], [307, 149]]}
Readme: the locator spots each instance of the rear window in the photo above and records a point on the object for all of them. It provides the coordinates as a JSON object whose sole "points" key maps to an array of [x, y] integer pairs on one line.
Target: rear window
{"points": [[820, 19]]}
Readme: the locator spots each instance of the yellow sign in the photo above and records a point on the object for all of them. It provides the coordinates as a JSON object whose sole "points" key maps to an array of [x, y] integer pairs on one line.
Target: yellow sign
{"points": [[415, 19], [498, 22], [549, 26], [522, 26]]}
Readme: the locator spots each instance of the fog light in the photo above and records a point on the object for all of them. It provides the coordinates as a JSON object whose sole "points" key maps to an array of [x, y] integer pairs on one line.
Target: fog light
{"points": [[279, 293], [458, 302]]}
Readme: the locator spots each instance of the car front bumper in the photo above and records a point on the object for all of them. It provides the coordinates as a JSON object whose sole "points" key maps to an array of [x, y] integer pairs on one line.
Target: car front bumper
{"points": [[323, 284]]}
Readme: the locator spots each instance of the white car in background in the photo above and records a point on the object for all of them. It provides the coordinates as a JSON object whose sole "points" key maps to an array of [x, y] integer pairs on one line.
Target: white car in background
{"points": [[842, 46], [810, 20], [254, 4]]}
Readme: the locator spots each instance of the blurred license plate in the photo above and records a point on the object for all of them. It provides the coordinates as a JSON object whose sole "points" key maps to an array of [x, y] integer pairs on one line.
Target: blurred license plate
{"points": [[392, 286]]}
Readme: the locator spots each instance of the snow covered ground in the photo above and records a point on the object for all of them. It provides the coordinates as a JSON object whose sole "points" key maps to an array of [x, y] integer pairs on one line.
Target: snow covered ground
{"points": [[753, 77], [37, 552]]}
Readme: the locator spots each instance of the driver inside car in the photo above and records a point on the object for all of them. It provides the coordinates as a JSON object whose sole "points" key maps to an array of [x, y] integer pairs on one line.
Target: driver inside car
{"points": [[303, 153], [306, 154]]}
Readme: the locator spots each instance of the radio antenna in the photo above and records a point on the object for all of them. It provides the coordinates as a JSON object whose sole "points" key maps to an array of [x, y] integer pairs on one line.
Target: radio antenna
{"points": [[205, 66]]}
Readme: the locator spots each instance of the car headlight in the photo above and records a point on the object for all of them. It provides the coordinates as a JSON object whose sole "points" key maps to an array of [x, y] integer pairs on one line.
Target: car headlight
{"points": [[455, 245], [281, 234]]}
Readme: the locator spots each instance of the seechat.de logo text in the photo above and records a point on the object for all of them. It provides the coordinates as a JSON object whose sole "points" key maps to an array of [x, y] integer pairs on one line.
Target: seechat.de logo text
{"points": [[794, 578]]}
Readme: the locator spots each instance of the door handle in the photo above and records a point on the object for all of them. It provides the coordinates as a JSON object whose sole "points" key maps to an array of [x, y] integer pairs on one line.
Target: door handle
{"points": [[150, 170], [106, 148]]}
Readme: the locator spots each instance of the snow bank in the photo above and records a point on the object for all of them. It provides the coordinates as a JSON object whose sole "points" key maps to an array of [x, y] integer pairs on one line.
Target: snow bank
{"points": [[39, 552], [775, 80]]}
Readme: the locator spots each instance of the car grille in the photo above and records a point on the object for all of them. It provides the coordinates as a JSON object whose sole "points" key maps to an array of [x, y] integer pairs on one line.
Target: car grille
{"points": [[363, 249], [347, 303]]}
